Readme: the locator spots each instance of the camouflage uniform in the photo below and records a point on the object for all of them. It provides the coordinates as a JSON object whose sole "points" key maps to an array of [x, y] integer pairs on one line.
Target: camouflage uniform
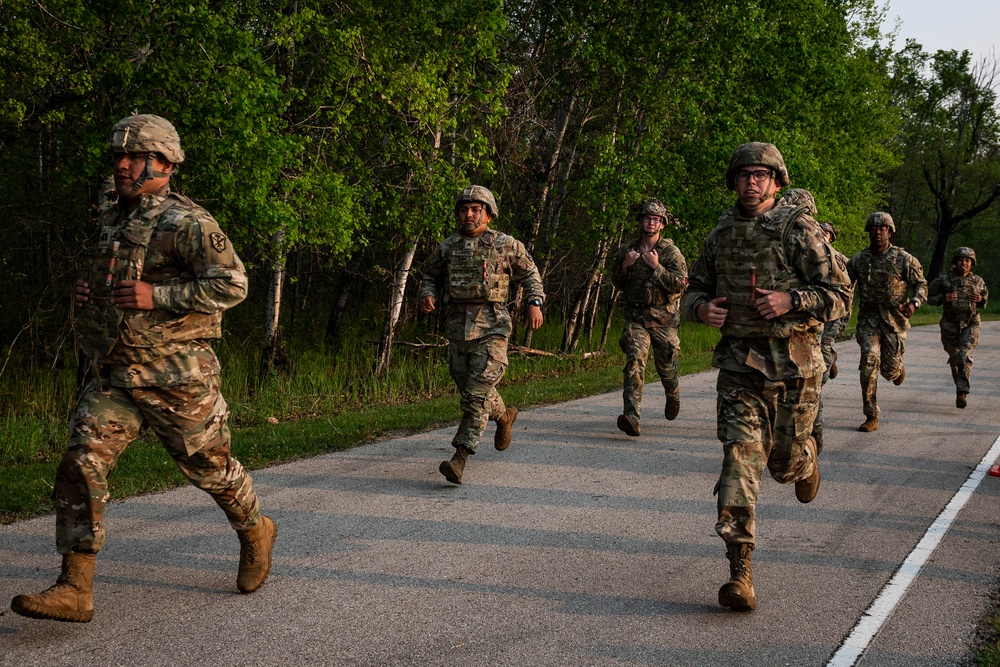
{"points": [[474, 276], [652, 312], [153, 367], [769, 370], [959, 321], [884, 283], [831, 331]]}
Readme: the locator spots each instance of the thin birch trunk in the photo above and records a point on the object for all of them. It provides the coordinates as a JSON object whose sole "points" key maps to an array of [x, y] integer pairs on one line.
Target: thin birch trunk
{"points": [[395, 308]]}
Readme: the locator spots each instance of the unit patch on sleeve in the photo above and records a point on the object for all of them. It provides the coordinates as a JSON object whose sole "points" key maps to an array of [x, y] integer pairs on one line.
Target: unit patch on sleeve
{"points": [[218, 241]]}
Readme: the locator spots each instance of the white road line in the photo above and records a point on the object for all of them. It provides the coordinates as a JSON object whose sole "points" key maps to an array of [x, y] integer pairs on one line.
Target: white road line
{"points": [[875, 616]]}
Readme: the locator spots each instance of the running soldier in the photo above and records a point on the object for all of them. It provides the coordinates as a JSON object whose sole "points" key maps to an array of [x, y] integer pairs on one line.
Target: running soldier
{"points": [[158, 277], [831, 330], [767, 279], [890, 287], [471, 271], [963, 294], [651, 273]]}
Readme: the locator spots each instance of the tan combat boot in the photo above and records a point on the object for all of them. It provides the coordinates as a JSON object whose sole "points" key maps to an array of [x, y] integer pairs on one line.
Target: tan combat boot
{"points": [[673, 406], [71, 599], [961, 399], [629, 425], [898, 380], [256, 545], [737, 593], [871, 424], [833, 369], [505, 425], [806, 489], [453, 469]]}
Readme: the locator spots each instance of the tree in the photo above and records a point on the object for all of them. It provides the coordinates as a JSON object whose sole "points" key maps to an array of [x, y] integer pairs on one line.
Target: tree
{"points": [[949, 178]]}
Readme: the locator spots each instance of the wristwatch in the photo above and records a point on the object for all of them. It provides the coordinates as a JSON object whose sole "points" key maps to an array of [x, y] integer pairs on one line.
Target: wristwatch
{"points": [[535, 302], [796, 300]]}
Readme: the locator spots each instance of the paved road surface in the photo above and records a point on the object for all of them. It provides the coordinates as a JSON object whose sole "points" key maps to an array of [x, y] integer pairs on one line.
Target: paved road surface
{"points": [[578, 546]]}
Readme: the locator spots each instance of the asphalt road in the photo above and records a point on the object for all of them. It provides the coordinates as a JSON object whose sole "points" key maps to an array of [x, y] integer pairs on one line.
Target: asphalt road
{"points": [[577, 546]]}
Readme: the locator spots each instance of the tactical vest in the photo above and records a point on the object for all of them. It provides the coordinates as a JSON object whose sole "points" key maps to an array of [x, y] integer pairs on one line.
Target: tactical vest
{"points": [[963, 288], [879, 280], [750, 253], [640, 289], [120, 254], [477, 273]]}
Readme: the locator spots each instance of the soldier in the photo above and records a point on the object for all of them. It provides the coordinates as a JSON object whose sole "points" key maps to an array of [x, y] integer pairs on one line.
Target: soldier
{"points": [[891, 286], [158, 277], [472, 271], [963, 294], [651, 289], [834, 328], [767, 279], [831, 330]]}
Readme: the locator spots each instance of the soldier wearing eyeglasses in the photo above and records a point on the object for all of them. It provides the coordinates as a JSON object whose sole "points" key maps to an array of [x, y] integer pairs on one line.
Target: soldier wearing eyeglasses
{"points": [[472, 272], [651, 273], [767, 280]]}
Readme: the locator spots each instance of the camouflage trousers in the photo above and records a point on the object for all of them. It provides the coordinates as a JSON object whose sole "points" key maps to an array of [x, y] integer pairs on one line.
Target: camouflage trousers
{"points": [[477, 366], [761, 423], [831, 330], [190, 421], [635, 343], [881, 351], [959, 340]]}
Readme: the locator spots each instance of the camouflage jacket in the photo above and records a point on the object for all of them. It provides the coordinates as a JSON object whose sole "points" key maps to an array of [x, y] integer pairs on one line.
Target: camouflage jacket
{"points": [[962, 311], [884, 283], [176, 246], [471, 320], [652, 296], [841, 259], [804, 265]]}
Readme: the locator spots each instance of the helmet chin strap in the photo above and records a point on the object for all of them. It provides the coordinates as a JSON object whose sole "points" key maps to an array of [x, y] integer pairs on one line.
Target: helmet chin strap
{"points": [[147, 173]]}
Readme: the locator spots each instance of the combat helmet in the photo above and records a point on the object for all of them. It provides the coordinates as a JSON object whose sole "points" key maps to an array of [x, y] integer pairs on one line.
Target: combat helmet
{"points": [[146, 133], [150, 134], [964, 251], [477, 193], [829, 229], [652, 206], [757, 152], [880, 219]]}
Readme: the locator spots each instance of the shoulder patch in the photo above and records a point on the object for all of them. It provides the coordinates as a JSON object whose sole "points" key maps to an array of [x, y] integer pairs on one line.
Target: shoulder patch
{"points": [[218, 240]]}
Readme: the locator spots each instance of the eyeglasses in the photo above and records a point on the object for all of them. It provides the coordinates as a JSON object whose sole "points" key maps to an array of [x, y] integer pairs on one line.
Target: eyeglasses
{"points": [[650, 218], [758, 175]]}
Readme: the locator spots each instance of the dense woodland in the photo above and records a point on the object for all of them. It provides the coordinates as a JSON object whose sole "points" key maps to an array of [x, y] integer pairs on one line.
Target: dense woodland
{"points": [[330, 138]]}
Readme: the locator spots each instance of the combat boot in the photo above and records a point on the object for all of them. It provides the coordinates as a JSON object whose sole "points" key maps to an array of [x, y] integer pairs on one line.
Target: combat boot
{"points": [[737, 593], [871, 424], [453, 469], [629, 425], [501, 440], [806, 489], [71, 599], [833, 369], [961, 399], [256, 545], [898, 380], [673, 406]]}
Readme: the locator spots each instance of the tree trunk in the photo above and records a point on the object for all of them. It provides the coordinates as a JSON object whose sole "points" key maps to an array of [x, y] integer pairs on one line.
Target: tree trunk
{"points": [[344, 289], [612, 300], [274, 356], [579, 312], [395, 308]]}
